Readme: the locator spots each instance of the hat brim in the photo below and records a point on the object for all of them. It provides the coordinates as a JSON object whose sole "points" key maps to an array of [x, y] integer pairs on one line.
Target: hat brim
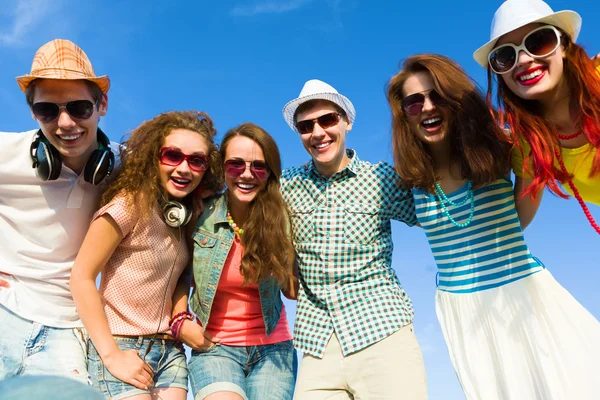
{"points": [[567, 20], [289, 110], [103, 82]]}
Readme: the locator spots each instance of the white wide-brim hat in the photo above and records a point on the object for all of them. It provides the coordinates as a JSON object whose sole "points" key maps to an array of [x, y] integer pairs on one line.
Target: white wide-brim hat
{"points": [[317, 90], [514, 14]]}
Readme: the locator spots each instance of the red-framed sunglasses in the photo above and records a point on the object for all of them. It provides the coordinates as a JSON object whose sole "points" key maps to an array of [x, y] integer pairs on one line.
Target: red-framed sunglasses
{"points": [[235, 167], [174, 157]]}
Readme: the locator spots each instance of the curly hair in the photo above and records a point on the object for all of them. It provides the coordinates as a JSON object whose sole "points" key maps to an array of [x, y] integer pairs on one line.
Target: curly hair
{"points": [[526, 120], [476, 141], [268, 248], [139, 173]]}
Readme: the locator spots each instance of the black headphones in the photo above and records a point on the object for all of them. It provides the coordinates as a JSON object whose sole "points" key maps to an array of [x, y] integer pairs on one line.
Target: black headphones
{"points": [[176, 214], [48, 163]]}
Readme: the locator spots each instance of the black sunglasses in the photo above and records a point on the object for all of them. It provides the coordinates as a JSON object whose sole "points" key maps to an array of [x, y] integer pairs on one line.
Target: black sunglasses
{"points": [[413, 104], [325, 121], [48, 112]]}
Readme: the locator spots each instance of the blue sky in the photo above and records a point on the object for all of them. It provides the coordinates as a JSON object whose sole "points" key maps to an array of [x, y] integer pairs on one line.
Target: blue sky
{"points": [[243, 60]]}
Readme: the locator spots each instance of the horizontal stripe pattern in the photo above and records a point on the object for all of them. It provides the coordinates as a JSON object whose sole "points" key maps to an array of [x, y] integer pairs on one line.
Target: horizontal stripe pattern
{"points": [[489, 252]]}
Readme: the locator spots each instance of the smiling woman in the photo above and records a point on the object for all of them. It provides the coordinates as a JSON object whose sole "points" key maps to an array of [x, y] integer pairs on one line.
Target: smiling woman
{"points": [[549, 97], [131, 241], [499, 308], [243, 261]]}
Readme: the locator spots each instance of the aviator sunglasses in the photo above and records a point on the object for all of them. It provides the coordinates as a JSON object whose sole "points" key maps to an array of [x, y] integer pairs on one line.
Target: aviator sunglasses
{"points": [[174, 157], [325, 121], [538, 43], [236, 166], [48, 112], [413, 104]]}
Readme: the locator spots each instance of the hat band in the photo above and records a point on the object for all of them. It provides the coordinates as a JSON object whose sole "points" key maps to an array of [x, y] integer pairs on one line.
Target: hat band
{"points": [[61, 72]]}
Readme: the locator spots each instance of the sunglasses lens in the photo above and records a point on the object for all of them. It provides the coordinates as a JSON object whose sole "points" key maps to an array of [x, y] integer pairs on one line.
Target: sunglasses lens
{"points": [[436, 98], [328, 120], [171, 157], [413, 104], [503, 59], [305, 126], [80, 109], [260, 170], [542, 42], [198, 162], [234, 168], [45, 112]]}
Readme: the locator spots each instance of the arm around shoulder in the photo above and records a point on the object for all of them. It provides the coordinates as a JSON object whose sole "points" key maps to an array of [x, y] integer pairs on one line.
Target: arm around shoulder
{"points": [[526, 206]]}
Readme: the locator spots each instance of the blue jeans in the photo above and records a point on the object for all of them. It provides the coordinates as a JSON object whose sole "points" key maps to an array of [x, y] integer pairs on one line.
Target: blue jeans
{"points": [[29, 348], [47, 388], [254, 372], [166, 357]]}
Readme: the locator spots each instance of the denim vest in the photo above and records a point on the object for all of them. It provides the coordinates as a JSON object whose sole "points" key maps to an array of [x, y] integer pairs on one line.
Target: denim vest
{"points": [[212, 241]]}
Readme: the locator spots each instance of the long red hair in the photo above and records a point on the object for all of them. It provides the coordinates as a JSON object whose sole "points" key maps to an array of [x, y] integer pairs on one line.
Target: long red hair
{"points": [[525, 119]]}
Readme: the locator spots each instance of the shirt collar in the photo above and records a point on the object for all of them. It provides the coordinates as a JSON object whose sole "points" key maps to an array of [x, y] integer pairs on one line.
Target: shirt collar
{"points": [[351, 169]]}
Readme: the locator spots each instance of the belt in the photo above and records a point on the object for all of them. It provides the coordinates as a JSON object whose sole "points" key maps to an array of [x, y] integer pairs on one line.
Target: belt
{"points": [[158, 336]]}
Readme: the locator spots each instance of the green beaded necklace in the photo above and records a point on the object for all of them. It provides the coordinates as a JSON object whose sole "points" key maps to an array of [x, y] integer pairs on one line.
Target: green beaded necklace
{"points": [[238, 231], [444, 199]]}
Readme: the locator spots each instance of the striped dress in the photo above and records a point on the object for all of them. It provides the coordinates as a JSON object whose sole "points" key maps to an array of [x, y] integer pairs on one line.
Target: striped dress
{"points": [[489, 252], [511, 330]]}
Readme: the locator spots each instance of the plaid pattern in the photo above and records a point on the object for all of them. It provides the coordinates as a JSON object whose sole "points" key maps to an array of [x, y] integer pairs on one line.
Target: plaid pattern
{"points": [[343, 239], [62, 59]]}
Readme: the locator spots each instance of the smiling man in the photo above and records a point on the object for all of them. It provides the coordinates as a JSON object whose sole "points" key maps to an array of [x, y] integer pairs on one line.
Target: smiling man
{"points": [[45, 211], [354, 320]]}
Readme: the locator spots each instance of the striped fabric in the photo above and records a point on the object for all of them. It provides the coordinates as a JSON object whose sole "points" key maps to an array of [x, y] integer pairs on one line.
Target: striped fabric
{"points": [[489, 252]]}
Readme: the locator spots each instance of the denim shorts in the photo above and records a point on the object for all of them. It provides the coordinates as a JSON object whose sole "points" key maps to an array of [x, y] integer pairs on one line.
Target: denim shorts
{"points": [[266, 372], [166, 357], [30, 348]]}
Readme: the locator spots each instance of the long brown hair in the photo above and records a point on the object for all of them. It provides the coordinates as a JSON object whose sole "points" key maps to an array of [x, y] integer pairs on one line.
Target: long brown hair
{"points": [[476, 142], [139, 177], [525, 118], [268, 248]]}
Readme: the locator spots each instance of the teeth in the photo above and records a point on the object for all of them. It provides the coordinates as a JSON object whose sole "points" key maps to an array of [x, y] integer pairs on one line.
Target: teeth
{"points": [[431, 120], [246, 186], [320, 146], [70, 137], [532, 75], [181, 181]]}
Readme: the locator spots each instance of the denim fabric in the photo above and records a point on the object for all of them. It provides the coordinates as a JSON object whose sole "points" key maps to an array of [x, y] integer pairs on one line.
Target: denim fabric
{"points": [[166, 358], [30, 348], [266, 372], [46, 388], [212, 241]]}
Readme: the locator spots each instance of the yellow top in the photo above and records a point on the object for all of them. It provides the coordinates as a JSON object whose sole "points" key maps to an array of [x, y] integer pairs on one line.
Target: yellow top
{"points": [[578, 162]]}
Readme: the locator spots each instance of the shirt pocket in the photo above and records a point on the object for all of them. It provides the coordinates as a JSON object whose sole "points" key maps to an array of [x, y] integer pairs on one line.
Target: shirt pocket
{"points": [[302, 217], [361, 222], [204, 247]]}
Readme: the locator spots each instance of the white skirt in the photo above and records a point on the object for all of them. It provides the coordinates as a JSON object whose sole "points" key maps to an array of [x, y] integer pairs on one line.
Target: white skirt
{"points": [[526, 340]]}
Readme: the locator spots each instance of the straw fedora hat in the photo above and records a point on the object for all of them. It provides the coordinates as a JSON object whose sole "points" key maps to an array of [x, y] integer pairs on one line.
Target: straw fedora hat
{"points": [[62, 59], [514, 14], [318, 90]]}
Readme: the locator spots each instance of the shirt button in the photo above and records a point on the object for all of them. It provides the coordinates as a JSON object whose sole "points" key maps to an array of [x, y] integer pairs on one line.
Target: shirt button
{"points": [[204, 241]]}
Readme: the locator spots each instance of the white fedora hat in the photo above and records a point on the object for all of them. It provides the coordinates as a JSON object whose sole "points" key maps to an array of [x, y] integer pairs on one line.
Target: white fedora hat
{"points": [[514, 14], [317, 90]]}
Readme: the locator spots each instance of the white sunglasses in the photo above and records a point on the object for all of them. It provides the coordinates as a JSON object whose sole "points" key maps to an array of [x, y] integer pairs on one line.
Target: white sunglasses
{"points": [[538, 43]]}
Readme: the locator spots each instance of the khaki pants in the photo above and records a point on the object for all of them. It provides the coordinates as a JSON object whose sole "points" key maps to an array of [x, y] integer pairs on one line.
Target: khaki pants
{"points": [[391, 369]]}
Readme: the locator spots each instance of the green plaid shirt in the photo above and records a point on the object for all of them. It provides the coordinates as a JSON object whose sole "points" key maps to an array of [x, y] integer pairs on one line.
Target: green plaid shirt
{"points": [[343, 240]]}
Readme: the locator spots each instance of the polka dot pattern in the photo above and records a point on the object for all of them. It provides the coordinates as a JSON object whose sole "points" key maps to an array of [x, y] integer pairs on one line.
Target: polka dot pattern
{"points": [[135, 278]]}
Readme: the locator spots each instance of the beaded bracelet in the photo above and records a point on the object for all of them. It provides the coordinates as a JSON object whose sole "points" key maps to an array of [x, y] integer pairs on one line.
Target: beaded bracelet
{"points": [[177, 321], [179, 315]]}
